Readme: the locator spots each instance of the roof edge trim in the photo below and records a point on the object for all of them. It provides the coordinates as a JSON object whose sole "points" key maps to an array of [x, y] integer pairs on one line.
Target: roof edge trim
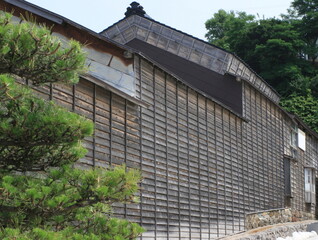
{"points": [[58, 19], [36, 10], [114, 90]]}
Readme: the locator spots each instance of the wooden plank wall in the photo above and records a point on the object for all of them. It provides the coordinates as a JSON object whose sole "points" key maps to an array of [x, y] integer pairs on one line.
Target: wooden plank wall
{"points": [[116, 137], [263, 145], [203, 167], [216, 167], [193, 149], [304, 159]]}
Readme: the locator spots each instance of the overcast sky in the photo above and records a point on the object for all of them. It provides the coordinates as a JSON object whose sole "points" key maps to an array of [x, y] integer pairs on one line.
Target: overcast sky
{"points": [[185, 15]]}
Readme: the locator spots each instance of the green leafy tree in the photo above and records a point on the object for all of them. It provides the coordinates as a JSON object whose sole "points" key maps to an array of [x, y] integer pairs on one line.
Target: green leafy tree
{"points": [[270, 46], [304, 106], [276, 49], [41, 195], [225, 27], [307, 12]]}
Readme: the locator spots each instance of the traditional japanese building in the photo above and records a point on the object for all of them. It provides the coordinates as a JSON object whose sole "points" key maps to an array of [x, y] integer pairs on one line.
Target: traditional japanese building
{"points": [[206, 131]]}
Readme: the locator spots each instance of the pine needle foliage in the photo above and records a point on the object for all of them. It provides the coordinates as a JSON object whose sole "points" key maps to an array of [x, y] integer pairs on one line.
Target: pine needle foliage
{"points": [[67, 203], [37, 134], [42, 196], [31, 52]]}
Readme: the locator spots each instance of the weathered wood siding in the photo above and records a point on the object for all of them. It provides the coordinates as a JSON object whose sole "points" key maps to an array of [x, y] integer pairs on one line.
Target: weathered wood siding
{"points": [[203, 167], [190, 147], [263, 151], [306, 158], [219, 167]]}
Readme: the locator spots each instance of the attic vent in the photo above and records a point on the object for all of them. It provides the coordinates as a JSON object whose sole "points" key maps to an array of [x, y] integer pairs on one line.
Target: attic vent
{"points": [[135, 9]]}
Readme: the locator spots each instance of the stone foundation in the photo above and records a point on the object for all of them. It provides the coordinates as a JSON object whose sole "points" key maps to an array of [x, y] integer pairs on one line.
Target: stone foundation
{"points": [[275, 216], [272, 232]]}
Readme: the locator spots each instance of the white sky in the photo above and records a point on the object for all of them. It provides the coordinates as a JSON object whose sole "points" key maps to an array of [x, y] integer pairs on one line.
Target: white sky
{"points": [[185, 15]]}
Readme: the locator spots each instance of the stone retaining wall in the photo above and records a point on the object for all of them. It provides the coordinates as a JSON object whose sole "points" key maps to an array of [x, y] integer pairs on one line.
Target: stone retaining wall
{"points": [[272, 232], [275, 216]]}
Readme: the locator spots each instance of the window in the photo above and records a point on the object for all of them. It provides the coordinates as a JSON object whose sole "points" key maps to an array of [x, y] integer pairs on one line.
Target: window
{"points": [[301, 139], [293, 138], [294, 141], [287, 179], [310, 188], [297, 140]]}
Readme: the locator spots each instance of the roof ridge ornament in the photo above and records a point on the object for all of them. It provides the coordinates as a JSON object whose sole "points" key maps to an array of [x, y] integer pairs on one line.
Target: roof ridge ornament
{"points": [[135, 9]]}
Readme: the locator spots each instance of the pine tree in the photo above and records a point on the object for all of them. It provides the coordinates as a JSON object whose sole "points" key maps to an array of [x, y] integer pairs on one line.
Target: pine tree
{"points": [[41, 195]]}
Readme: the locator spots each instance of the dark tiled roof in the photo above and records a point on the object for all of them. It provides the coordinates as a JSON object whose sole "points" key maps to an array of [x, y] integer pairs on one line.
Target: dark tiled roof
{"points": [[174, 29], [223, 88], [203, 41]]}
